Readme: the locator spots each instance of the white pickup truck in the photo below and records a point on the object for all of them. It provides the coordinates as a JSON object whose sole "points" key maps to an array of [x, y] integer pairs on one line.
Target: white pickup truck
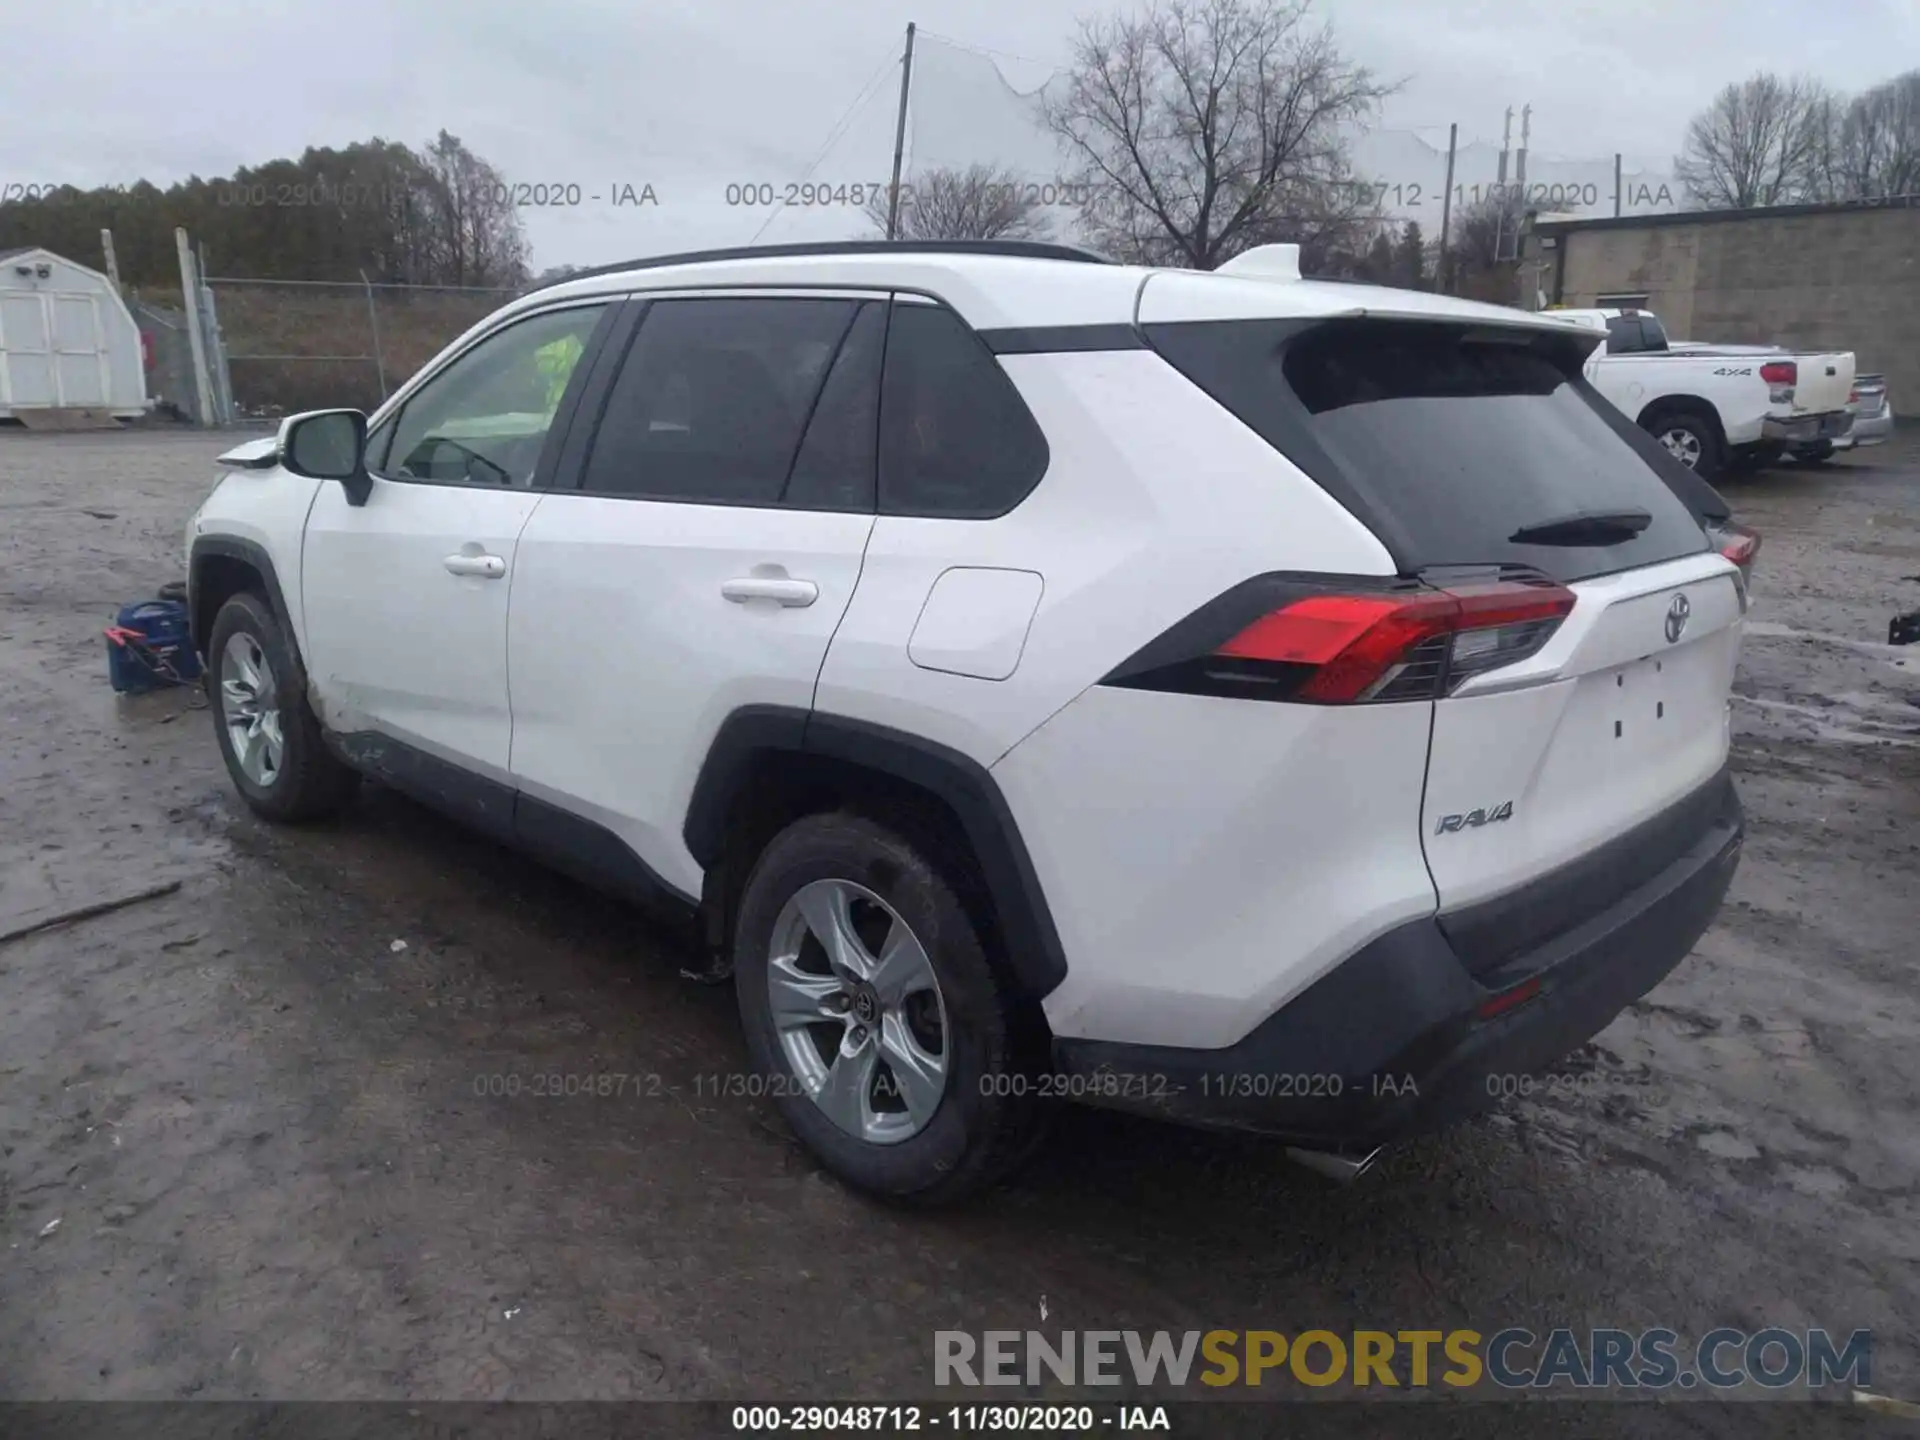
{"points": [[1715, 406]]}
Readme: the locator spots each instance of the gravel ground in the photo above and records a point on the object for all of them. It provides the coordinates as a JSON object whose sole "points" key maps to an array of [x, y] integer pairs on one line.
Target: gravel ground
{"points": [[266, 1129]]}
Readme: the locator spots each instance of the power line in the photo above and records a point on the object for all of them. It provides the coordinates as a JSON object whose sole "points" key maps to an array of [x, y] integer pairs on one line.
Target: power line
{"points": [[1053, 66], [833, 137]]}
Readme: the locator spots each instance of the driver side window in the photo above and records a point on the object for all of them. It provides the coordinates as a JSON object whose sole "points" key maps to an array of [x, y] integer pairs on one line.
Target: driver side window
{"points": [[484, 419]]}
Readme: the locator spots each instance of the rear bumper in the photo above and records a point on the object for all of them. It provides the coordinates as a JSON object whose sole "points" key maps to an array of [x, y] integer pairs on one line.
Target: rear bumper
{"points": [[1873, 429], [1806, 429], [1393, 1041]]}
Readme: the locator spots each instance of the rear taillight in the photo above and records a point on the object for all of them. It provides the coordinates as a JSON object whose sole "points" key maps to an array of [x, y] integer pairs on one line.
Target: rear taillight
{"points": [[1342, 647], [1781, 377], [1737, 543], [1740, 545]]}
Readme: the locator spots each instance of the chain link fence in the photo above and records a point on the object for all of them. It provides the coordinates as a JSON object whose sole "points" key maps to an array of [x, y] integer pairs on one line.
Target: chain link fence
{"points": [[277, 347]]}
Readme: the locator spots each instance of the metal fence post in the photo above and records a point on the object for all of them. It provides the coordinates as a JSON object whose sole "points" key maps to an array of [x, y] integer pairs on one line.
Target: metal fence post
{"points": [[373, 323], [190, 297], [217, 370]]}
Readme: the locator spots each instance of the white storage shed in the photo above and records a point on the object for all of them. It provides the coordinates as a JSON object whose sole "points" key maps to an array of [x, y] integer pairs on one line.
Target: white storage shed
{"points": [[66, 339]]}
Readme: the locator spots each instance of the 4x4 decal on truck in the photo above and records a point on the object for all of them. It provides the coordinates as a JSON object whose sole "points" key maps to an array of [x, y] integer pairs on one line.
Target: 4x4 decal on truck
{"points": [[1473, 819], [1734, 370]]}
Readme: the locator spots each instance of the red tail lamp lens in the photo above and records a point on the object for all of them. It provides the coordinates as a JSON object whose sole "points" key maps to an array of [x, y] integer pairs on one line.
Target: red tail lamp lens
{"points": [[1363, 646]]}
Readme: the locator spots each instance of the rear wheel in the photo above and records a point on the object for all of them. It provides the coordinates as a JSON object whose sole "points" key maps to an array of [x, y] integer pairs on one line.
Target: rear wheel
{"points": [[268, 735], [1816, 454], [881, 1030], [1691, 438], [1746, 458]]}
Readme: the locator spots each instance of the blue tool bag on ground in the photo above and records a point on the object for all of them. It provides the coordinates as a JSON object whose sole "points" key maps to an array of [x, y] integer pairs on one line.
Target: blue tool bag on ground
{"points": [[150, 646]]}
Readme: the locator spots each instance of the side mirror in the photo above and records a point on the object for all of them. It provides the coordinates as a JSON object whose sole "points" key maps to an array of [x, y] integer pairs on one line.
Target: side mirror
{"points": [[328, 445]]}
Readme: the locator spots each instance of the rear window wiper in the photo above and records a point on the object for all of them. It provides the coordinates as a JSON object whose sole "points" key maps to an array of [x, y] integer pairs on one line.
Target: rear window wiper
{"points": [[1586, 527]]}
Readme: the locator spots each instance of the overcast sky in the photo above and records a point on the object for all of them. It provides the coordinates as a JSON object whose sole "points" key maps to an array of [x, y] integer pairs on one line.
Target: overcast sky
{"points": [[690, 96]]}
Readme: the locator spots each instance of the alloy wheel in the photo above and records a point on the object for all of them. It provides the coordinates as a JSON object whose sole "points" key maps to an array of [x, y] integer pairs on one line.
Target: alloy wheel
{"points": [[250, 709], [1683, 445], [858, 1011]]}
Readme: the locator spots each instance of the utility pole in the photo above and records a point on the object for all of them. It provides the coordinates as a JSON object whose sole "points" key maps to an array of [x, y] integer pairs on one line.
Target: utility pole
{"points": [[900, 136], [1506, 144], [113, 261], [1446, 208], [1616, 184], [1526, 135]]}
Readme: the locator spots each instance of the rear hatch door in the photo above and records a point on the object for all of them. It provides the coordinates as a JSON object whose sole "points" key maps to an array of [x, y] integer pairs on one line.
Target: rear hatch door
{"points": [[1479, 454], [1620, 716]]}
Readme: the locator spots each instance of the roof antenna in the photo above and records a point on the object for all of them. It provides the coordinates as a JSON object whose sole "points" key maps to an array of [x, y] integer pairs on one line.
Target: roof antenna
{"points": [[1264, 262]]}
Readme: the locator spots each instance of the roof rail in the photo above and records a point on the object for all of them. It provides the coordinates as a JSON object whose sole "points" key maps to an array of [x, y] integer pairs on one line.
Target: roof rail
{"points": [[1029, 249]]}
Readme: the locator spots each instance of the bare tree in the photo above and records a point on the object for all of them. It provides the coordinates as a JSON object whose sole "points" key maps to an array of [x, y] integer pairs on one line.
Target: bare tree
{"points": [[1483, 254], [476, 225], [1869, 146], [1758, 143], [1203, 127], [978, 203]]}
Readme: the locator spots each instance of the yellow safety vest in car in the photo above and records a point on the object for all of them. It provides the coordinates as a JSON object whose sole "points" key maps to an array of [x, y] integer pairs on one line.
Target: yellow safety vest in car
{"points": [[555, 361]]}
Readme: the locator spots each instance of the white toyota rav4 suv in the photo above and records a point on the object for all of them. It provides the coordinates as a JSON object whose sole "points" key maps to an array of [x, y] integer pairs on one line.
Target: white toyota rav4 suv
{"points": [[1235, 698]]}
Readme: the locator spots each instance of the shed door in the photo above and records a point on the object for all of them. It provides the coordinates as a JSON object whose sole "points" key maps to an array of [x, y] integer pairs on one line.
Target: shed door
{"points": [[25, 352], [80, 350]]}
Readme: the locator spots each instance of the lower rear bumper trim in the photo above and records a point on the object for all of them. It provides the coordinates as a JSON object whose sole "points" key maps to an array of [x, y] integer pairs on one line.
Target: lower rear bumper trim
{"points": [[1392, 1042]]}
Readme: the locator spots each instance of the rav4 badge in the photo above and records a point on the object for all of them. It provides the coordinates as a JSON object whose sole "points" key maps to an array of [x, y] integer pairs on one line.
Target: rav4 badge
{"points": [[1473, 819]]}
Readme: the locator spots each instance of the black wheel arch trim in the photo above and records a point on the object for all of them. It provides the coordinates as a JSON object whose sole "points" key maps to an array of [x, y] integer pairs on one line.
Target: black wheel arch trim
{"points": [[249, 552], [1033, 950]]}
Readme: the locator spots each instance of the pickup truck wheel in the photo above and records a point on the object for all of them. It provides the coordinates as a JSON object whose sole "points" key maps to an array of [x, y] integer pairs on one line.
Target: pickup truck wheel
{"points": [[1690, 438], [873, 1017], [268, 735], [1747, 458], [1818, 453]]}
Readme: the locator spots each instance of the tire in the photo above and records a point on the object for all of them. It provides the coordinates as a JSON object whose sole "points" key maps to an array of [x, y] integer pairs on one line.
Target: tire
{"points": [[304, 780], [985, 1118], [1819, 453], [1745, 459], [1691, 438]]}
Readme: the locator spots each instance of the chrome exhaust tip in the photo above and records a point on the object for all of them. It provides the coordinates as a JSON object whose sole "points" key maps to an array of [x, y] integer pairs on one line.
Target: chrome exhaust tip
{"points": [[1344, 1168]]}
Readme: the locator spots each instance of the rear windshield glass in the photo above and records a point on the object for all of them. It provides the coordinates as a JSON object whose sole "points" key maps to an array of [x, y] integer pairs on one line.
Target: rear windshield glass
{"points": [[1448, 441]]}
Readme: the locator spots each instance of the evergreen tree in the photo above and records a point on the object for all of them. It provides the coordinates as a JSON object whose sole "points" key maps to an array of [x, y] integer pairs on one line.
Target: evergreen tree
{"points": [[1413, 257]]}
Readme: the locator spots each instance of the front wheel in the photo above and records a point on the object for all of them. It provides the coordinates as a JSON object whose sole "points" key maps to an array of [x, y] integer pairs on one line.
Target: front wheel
{"points": [[268, 735], [875, 1020]]}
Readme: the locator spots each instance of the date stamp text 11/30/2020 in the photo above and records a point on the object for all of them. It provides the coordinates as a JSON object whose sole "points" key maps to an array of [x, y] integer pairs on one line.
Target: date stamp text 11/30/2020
{"points": [[517, 195]]}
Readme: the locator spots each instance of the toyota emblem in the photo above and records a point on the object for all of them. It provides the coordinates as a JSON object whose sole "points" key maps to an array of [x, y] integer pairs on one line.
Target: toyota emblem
{"points": [[1677, 615]]}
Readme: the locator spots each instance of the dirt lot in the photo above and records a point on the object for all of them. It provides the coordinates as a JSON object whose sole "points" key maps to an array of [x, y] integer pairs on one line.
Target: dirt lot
{"points": [[266, 1130]]}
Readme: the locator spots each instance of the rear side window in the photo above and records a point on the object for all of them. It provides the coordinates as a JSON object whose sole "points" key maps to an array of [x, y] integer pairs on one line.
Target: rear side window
{"points": [[1448, 441], [1624, 335], [712, 399], [956, 439], [835, 467]]}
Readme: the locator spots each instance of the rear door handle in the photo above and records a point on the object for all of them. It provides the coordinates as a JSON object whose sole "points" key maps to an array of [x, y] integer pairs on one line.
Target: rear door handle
{"points": [[785, 592], [485, 567]]}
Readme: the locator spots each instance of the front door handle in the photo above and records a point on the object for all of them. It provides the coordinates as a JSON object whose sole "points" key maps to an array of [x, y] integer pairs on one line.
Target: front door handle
{"points": [[485, 567], [758, 587]]}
